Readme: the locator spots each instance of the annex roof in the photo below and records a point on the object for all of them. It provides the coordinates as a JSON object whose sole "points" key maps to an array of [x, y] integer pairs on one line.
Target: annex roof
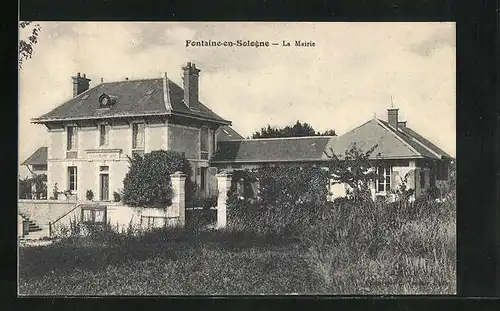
{"points": [[390, 144], [225, 133], [272, 150], [39, 157]]}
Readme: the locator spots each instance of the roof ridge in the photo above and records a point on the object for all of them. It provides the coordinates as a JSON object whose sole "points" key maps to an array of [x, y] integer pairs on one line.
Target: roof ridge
{"points": [[285, 138], [166, 92], [121, 81], [423, 144], [398, 138]]}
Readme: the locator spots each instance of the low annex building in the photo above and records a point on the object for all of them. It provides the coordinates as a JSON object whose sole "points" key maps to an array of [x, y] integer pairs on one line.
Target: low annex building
{"points": [[399, 150]]}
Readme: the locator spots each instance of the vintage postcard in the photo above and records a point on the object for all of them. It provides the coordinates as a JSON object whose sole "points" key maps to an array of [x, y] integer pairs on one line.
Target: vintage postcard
{"points": [[162, 158]]}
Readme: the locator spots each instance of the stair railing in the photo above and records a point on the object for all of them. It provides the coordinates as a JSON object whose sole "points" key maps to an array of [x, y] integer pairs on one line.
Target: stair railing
{"points": [[51, 224]]}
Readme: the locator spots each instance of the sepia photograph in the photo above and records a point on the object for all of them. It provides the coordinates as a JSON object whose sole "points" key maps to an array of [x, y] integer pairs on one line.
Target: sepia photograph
{"points": [[236, 158]]}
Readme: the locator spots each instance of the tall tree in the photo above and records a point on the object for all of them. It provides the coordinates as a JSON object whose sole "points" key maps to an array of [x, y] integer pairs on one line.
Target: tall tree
{"points": [[297, 130], [26, 46]]}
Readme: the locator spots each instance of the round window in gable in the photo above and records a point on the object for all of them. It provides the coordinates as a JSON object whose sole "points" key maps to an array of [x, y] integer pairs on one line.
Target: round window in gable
{"points": [[104, 101]]}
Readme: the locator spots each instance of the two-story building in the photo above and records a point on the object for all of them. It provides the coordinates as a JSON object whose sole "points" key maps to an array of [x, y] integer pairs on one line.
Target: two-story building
{"points": [[92, 134]]}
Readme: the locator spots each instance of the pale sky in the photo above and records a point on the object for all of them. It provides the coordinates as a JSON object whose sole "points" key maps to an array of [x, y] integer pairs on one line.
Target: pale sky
{"points": [[344, 80]]}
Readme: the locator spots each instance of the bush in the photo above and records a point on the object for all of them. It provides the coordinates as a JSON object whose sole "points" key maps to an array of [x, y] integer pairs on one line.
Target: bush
{"points": [[89, 195], [148, 183], [290, 198], [24, 186], [117, 197]]}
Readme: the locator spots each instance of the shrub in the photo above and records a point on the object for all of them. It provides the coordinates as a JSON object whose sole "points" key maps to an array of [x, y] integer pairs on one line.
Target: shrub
{"points": [[354, 168], [117, 197], [24, 186], [89, 195], [289, 199], [148, 183]]}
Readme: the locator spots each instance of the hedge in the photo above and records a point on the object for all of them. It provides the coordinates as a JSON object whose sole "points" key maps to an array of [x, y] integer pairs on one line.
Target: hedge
{"points": [[148, 182]]}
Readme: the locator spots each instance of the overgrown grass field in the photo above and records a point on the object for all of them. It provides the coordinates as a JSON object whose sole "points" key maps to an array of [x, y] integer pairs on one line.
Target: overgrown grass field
{"points": [[371, 249]]}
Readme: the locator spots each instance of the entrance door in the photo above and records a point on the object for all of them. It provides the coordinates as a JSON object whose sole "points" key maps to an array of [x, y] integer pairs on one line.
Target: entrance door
{"points": [[104, 187]]}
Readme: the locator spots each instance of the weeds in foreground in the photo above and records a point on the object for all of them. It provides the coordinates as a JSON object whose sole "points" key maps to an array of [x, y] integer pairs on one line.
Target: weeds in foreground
{"points": [[380, 248]]}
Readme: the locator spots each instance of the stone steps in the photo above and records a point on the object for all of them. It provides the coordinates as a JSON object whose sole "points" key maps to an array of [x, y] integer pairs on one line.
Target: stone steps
{"points": [[34, 230]]}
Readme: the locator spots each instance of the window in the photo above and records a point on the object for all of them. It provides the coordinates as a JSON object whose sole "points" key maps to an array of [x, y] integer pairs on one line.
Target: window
{"points": [[204, 143], [138, 136], [383, 182], [442, 171], [422, 179], [71, 138], [103, 135], [72, 178]]}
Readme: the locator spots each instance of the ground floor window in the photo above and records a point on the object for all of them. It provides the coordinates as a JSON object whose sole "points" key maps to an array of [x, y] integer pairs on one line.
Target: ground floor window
{"points": [[442, 170], [383, 181], [422, 179], [72, 178]]}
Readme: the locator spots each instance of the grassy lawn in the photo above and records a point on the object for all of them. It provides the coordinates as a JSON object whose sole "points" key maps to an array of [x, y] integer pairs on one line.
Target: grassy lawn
{"points": [[182, 262]]}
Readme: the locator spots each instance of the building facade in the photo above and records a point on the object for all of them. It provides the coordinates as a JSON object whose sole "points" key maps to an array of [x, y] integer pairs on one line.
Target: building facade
{"points": [[92, 134]]}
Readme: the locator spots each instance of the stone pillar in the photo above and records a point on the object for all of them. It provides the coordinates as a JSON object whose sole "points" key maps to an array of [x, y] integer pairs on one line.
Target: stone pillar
{"points": [[179, 197], [223, 186], [20, 227]]}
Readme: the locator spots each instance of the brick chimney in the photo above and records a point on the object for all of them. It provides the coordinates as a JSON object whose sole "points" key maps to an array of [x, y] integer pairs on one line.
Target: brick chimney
{"points": [[392, 117], [401, 124], [190, 79], [80, 84]]}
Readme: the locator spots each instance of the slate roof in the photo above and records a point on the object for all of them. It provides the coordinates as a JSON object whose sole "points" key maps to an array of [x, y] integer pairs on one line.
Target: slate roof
{"points": [[272, 150], [134, 98], [225, 133], [39, 157], [408, 131], [391, 144]]}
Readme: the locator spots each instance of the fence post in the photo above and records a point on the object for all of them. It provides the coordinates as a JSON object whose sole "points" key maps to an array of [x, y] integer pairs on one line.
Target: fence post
{"points": [[179, 196], [223, 186], [50, 229]]}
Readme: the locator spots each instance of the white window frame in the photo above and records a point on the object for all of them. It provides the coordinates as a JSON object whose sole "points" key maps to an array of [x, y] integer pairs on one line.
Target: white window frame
{"points": [[143, 147], [387, 175], [106, 134], [207, 151], [68, 172], [69, 147]]}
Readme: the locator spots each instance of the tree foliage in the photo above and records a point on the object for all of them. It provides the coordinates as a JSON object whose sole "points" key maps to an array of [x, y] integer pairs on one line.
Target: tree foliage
{"points": [[297, 130], [40, 187], [25, 47], [148, 183], [289, 198], [354, 168]]}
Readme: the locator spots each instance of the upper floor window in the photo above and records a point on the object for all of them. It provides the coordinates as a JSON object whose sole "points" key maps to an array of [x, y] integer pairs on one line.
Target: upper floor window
{"points": [[204, 137], [138, 136], [383, 182], [103, 135], [71, 138]]}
